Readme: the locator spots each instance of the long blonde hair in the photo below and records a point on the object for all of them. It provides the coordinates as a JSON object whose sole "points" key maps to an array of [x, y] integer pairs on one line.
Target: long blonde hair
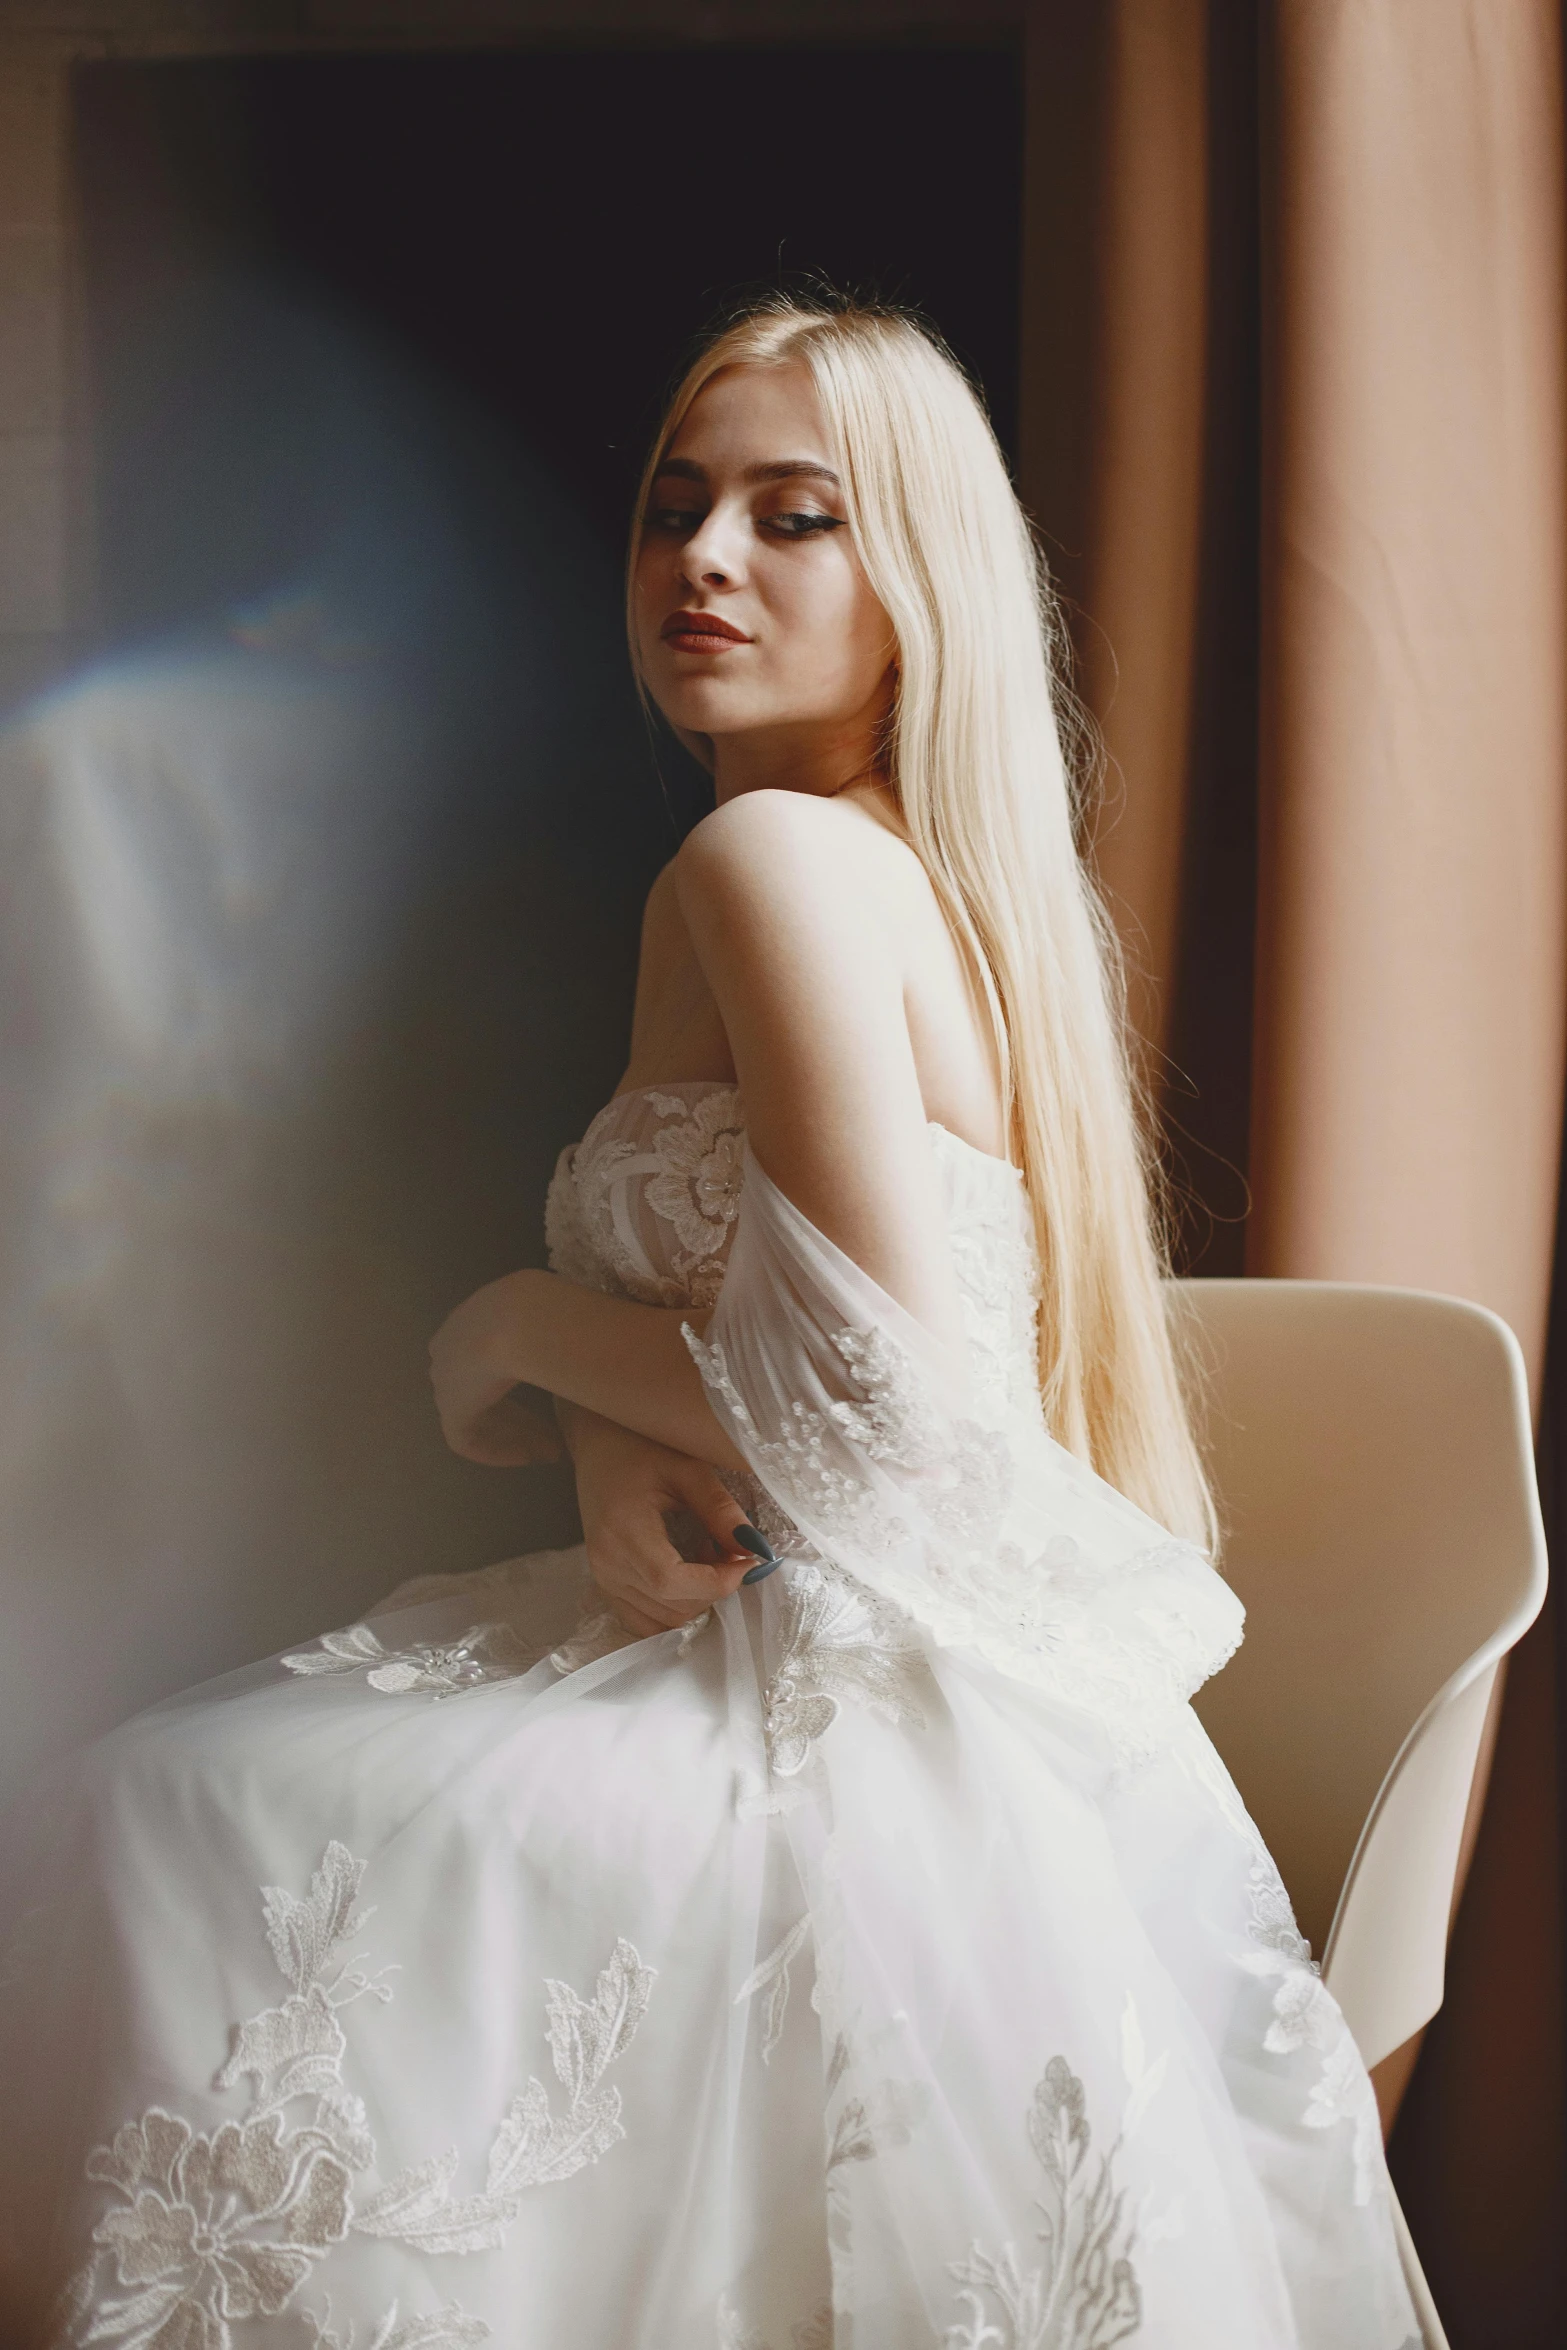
{"points": [[976, 763]]}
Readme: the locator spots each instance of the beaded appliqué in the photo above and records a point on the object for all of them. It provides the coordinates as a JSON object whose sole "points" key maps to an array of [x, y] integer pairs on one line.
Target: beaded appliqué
{"points": [[1113, 1641], [211, 2229], [701, 1166], [646, 1206], [837, 1640], [485, 1652], [891, 1419], [1084, 2295]]}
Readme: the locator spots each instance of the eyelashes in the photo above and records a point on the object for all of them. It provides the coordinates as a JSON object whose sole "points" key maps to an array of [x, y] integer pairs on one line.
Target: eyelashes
{"points": [[681, 521], [808, 524]]}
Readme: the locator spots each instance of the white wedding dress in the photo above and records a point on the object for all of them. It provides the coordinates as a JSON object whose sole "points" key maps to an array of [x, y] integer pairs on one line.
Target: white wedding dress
{"points": [[884, 1961]]}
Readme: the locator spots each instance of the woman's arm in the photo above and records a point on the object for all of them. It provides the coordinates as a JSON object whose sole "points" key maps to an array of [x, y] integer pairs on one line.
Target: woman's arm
{"points": [[781, 896], [785, 900], [626, 1362]]}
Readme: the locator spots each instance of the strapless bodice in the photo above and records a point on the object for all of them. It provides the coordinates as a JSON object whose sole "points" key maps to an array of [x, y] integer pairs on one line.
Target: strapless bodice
{"points": [[644, 1207]]}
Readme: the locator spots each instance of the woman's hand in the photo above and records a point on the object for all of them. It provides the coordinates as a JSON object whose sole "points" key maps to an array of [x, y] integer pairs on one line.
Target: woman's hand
{"points": [[626, 1488]]}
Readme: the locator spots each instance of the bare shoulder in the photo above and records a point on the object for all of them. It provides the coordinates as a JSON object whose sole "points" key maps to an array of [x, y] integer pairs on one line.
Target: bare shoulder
{"points": [[793, 920], [784, 850], [661, 909], [759, 822]]}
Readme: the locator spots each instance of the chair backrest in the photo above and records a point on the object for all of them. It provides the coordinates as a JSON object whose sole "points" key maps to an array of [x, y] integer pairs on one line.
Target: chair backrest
{"points": [[1371, 1453]]}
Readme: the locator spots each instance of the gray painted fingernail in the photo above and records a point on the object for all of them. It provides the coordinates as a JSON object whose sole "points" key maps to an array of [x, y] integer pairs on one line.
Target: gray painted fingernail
{"points": [[750, 1539]]}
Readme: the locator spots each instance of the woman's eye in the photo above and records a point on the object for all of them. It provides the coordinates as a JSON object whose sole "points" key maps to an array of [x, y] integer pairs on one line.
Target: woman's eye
{"points": [[801, 525], [680, 520]]}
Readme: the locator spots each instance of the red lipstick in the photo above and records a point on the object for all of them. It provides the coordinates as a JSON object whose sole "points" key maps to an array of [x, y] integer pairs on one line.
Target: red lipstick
{"points": [[701, 632]]}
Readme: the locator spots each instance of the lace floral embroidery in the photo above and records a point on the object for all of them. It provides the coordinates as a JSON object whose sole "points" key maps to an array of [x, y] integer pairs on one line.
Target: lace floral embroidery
{"points": [[959, 1471], [1305, 2012], [1084, 2294], [868, 2121], [212, 2229], [836, 1640], [796, 1462], [997, 1266], [534, 2145], [1118, 1641], [485, 1652], [651, 1221], [701, 1165], [809, 2333], [887, 2115], [444, 2329], [646, 1207], [895, 1419], [1306, 2015]]}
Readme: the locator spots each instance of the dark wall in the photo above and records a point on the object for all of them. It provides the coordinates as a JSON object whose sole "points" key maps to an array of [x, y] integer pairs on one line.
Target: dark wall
{"points": [[544, 232], [393, 333], [323, 879]]}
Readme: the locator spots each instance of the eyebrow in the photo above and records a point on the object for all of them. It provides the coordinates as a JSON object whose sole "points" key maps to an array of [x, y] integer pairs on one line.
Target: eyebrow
{"points": [[783, 469]]}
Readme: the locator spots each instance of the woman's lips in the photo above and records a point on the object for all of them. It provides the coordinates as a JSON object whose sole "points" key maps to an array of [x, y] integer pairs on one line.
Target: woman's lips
{"points": [[700, 632]]}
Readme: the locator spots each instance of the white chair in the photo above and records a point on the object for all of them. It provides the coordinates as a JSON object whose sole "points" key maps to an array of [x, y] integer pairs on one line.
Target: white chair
{"points": [[1372, 1455]]}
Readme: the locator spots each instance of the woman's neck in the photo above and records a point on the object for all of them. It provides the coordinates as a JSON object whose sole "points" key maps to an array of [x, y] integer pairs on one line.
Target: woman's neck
{"points": [[792, 760], [821, 757]]}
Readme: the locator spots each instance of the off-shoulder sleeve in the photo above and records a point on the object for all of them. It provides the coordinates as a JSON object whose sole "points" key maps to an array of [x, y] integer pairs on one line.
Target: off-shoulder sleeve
{"points": [[992, 1537]]}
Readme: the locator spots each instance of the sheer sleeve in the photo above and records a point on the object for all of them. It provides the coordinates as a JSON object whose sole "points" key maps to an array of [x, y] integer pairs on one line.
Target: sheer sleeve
{"points": [[960, 1509]]}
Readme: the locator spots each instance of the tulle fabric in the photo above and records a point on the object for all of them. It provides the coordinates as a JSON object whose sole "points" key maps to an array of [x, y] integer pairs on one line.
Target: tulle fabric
{"points": [[947, 1496], [885, 1961]]}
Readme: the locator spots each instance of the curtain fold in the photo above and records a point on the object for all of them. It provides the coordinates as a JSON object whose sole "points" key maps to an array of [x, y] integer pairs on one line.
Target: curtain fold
{"points": [[1357, 457], [1145, 480], [1410, 939], [1410, 968]]}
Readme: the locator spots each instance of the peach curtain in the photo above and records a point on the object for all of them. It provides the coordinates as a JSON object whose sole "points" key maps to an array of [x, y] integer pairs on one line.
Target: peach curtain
{"points": [[1410, 945], [1410, 779], [1410, 970], [1145, 481]]}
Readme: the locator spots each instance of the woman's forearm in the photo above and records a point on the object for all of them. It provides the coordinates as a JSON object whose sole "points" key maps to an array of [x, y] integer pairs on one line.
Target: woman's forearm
{"points": [[626, 1362]]}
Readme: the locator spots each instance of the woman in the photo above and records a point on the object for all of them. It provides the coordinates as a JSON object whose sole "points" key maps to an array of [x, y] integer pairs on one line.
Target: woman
{"points": [[867, 1948]]}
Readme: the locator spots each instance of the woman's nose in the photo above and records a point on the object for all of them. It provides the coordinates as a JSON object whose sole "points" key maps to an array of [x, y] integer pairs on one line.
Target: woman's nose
{"points": [[711, 556]]}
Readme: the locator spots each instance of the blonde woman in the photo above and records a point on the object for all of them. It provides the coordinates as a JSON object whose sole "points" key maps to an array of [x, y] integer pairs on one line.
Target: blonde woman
{"points": [[810, 1913]]}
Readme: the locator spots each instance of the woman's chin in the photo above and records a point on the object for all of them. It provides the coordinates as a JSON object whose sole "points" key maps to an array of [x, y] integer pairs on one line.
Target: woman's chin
{"points": [[702, 706]]}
